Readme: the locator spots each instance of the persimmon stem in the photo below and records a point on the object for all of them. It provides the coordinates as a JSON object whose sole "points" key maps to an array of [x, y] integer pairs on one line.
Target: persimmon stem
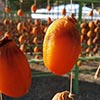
{"points": [[0, 96], [35, 2], [71, 6]]}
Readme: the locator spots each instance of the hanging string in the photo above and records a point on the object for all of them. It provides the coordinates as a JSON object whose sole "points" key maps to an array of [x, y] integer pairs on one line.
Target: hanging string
{"points": [[58, 8], [71, 78], [71, 7], [35, 2], [92, 10], [6, 3], [21, 1], [48, 2], [84, 5]]}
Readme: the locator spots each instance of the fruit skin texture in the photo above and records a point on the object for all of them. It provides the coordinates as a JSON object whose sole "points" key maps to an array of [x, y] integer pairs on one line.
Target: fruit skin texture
{"points": [[15, 73], [61, 46]]}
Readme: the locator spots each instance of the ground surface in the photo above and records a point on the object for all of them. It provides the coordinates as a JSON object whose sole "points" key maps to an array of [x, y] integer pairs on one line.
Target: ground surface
{"points": [[44, 87]]}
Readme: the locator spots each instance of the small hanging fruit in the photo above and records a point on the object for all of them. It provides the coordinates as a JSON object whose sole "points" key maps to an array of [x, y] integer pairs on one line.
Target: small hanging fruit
{"points": [[15, 73], [20, 12], [22, 48], [79, 62], [61, 46], [21, 39], [83, 25], [89, 42], [34, 30], [36, 49], [35, 40], [33, 8], [20, 27], [99, 10], [84, 31], [48, 7], [91, 24], [6, 22], [90, 13], [37, 22], [7, 9], [8, 34], [49, 21]]}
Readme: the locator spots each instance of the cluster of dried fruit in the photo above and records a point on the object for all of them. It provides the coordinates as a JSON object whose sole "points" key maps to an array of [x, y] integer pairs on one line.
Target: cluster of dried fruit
{"points": [[90, 36], [28, 34]]}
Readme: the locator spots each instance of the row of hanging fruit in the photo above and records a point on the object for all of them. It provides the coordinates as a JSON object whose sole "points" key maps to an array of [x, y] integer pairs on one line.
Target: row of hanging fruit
{"points": [[90, 36]]}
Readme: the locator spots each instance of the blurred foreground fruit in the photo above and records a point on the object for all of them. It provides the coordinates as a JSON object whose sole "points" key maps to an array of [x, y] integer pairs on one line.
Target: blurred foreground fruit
{"points": [[15, 73], [61, 46]]}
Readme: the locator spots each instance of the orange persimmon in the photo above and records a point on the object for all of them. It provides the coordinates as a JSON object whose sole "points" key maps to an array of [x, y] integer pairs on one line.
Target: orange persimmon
{"points": [[36, 22], [33, 8], [15, 73], [20, 12], [20, 27], [36, 49], [7, 9], [61, 46], [48, 8], [35, 40], [21, 39]]}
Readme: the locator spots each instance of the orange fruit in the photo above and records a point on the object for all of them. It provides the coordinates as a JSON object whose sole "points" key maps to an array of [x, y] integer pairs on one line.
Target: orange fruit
{"points": [[8, 34], [49, 21], [21, 39], [22, 48], [99, 10], [91, 24], [90, 13], [83, 25], [84, 31], [48, 8], [35, 40], [20, 27], [33, 8], [61, 46], [20, 12], [79, 62], [7, 9], [36, 22], [89, 42], [90, 33], [36, 49]]}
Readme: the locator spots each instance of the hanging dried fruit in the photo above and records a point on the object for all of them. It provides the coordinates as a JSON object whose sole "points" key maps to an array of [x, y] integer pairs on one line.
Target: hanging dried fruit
{"points": [[61, 46], [37, 22], [21, 39], [20, 12], [20, 27], [15, 73], [7, 9], [33, 8], [48, 8], [90, 13], [49, 21]]}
